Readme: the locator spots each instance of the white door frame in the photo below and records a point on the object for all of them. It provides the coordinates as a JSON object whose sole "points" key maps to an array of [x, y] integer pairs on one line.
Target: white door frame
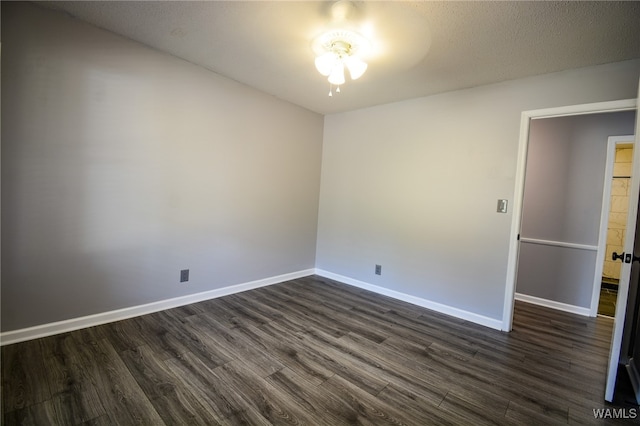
{"points": [[514, 246], [612, 143]]}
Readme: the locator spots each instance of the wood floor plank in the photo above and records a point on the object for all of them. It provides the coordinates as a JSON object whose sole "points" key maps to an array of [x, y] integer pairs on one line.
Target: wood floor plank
{"points": [[120, 394], [537, 394], [173, 402], [339, 362], [525, 416], [318, 316], [292, 319], [320, 403], [255, 305], [418, 330], [339, 315], [400, 371], [290, 352], [364, 298], [244, 313], [126, 334], [502, 382], [104, 420], [500, 374], [24, 379], [235, 346], [192, 339], [472, 414], [160, 336], [211, 391], [62, 409], [368, 409], [311, 351], [70, 378], [59, 410], [414, 406], [326, 297], [274, 405], [32, 415]]}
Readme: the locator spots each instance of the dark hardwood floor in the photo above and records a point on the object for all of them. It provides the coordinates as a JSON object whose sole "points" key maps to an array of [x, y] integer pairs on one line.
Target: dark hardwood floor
{"points": [[310, 351]]}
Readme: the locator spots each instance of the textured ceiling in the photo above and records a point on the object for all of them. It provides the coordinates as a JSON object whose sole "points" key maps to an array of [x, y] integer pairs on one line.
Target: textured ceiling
{"points": [[422, 47]]}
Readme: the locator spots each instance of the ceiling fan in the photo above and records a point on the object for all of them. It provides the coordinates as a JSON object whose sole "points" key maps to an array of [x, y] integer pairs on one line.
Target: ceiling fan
{"points": [[359, 33]]}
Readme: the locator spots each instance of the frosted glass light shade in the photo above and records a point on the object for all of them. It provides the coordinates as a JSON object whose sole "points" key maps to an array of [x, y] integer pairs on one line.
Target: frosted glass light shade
{"points": [[337, 74], [326, 62], [356, 67]]}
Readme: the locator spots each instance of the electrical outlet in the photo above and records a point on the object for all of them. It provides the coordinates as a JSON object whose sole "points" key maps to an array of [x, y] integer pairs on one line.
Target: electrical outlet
{"points": [[184, 275], [378, 269]]}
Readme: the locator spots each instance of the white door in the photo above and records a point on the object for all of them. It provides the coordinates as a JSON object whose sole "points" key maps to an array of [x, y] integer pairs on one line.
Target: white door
{"points": [[625, 273]]}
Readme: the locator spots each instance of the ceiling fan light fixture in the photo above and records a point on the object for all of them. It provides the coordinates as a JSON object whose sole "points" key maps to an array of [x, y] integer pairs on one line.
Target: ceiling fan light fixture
{"points": [[337, 49]]}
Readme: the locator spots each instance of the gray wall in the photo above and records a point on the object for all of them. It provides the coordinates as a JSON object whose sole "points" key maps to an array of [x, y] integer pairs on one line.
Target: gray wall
{"points": [[562, 202], [547, 176], [413, 185], [122, 165]]}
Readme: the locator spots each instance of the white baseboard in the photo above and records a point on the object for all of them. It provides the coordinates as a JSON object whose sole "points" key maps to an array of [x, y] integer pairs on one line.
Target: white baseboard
{"points": [[553, 304], [634, 377], [58, 327], [435, 306]]}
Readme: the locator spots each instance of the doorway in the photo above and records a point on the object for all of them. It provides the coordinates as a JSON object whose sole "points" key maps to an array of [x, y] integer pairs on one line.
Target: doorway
{"points": [[514, 244], [613, 225], [565, 199]]}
